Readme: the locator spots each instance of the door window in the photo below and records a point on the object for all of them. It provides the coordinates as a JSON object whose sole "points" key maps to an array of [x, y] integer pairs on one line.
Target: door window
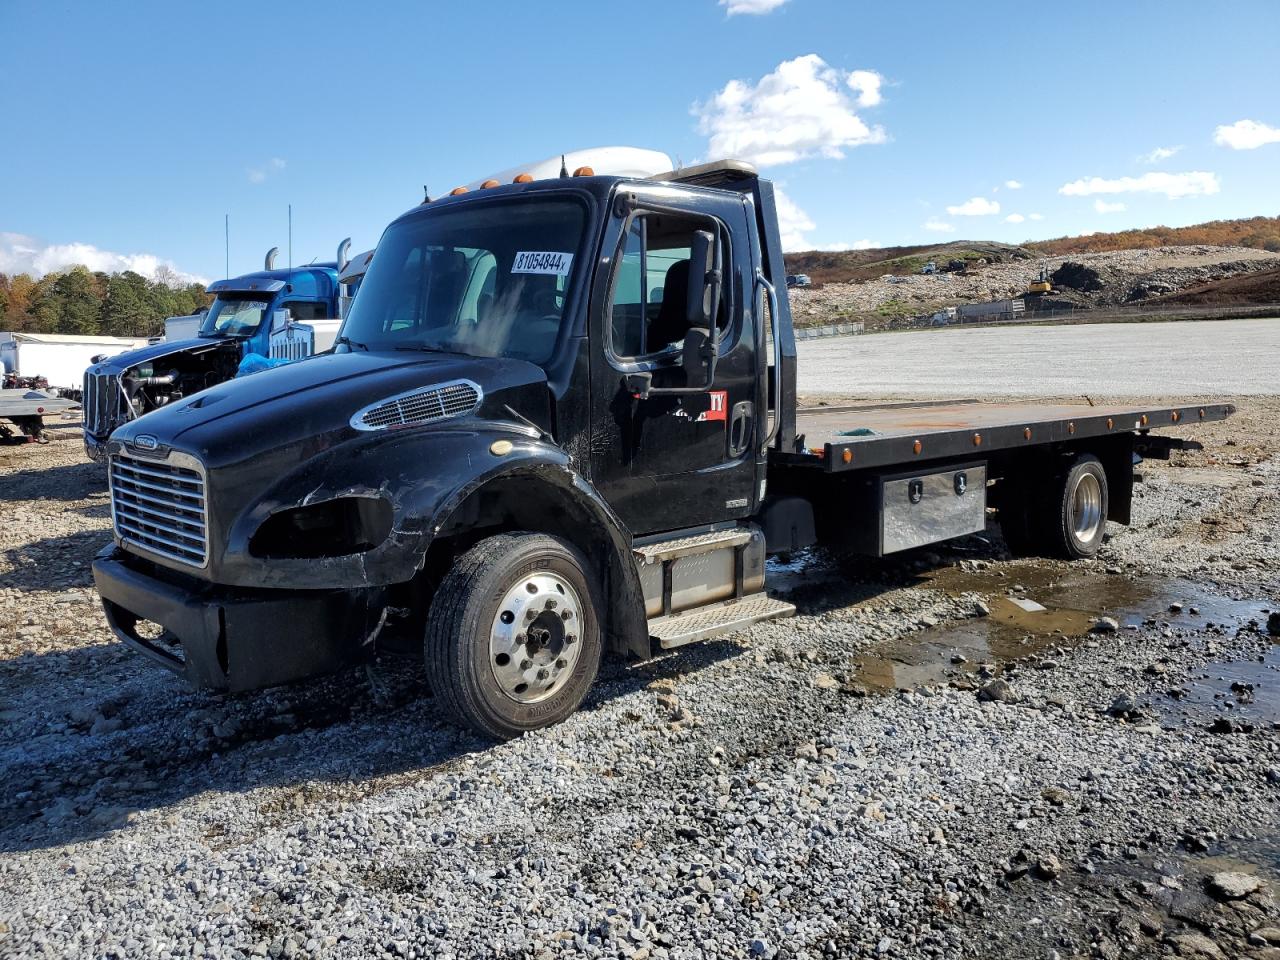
{"points": [[651, 284]]}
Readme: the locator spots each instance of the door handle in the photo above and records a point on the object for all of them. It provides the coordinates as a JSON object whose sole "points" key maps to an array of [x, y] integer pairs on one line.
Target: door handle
{"points": [[741, 428]]}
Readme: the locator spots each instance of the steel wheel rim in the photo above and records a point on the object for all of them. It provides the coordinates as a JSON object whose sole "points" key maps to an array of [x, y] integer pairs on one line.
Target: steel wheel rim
{"points": [[535, 640], [1086, 507]]}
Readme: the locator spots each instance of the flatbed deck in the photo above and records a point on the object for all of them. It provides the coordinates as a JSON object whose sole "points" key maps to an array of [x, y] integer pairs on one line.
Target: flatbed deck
{"points": [[897, 434]]}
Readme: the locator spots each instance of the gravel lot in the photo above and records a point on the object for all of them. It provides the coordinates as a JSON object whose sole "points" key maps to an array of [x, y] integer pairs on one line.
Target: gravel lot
{"points": [[1226, 357], [847, 783]]}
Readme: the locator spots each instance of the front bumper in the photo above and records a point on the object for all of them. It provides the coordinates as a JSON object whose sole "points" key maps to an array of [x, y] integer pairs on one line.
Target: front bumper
{"points": [[234, 639], [95, 449]]}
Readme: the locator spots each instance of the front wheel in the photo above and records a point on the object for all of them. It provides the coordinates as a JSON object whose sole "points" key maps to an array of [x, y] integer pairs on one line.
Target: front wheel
{"points": [[513, 638]]}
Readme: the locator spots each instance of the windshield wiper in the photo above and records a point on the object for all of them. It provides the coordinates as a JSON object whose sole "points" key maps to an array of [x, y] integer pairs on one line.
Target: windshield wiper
{"points": [[420, 348], [352, 343]]}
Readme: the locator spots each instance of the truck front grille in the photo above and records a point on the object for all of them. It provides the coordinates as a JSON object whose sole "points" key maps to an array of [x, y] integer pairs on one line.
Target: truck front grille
{"points": [[425, 405], [160, 507], [102, 403]]}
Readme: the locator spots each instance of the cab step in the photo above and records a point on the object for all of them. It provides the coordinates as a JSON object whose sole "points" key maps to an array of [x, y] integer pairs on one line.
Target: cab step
{"points": [[702, 623], [688, 546]]}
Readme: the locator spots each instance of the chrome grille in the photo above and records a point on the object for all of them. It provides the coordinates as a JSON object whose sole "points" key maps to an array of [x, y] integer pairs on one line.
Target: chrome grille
{"points": [[102, 403], [425, 405], [160, 506]]}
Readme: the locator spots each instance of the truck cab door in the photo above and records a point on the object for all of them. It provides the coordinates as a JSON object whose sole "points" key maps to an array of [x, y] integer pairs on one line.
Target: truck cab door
{"points": [[673, 461]]}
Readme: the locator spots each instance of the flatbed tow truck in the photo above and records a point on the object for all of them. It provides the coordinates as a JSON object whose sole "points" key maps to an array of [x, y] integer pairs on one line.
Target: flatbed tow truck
{"points": [[559, 422]]}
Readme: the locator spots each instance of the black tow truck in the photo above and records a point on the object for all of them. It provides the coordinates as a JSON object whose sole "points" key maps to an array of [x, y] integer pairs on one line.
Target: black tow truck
{"points": [[559, 422]]}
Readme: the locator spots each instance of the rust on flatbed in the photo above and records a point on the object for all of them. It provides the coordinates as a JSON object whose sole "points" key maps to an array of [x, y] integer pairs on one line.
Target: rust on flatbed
{"points": [[898, 434]]}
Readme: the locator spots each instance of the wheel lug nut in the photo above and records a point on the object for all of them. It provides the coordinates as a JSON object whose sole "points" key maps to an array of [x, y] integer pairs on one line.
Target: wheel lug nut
{"points": [[561, 663], [566, 615], [531, 614], [570, 638], [550, 605], [542, 674], [526, 664]]}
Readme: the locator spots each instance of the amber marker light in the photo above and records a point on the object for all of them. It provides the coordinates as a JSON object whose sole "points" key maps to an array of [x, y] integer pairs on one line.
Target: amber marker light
{"points": [[917, 447], [1176, 416], [584, 172], [490, 184], [1110, 423], [1026, 433], [1071, 428], [522, 178], [457, 191], [1144, 419], [847, 456]]}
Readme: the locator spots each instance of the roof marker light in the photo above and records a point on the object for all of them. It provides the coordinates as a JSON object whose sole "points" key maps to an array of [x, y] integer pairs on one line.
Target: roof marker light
{"points": [[489, 184], [584, 172], [457, 191], [522, 178]]}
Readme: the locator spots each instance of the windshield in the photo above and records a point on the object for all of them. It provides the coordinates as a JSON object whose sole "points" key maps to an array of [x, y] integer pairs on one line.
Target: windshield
{"points": [[234, 318], [488, 280]]}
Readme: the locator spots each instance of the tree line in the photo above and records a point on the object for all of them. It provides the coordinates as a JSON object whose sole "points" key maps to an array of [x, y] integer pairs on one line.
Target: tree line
{"points": [[80, 301]]}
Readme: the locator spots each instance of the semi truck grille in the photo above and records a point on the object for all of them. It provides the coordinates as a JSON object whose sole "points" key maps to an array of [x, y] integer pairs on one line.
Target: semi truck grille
{"points": [[102, 403], [426, 405], [160, 507]]}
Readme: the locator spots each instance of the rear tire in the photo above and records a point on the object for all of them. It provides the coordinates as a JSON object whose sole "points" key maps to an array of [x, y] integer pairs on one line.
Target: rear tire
{"points": [[1057, 514], [1076, 527], [513, 638]]}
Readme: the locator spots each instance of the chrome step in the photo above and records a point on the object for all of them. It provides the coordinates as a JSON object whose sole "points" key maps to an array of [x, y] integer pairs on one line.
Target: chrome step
{"points": [[687, 546], [702, 623]]}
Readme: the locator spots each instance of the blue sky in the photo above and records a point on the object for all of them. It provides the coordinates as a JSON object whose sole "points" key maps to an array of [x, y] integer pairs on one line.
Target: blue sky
{"points": [[133, 128]]}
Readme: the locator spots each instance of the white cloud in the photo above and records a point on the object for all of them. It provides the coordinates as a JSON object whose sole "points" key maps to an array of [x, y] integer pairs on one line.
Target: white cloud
{"points": [[866, 84], [937, 226], [1102, 206], [1245, 135], [1159, 154], [799, 110], [751, 6], [1172, 185], [1035, 216], [855, 245], [22, 254], [793, 223], [1013, 184], [1014, 218], [259, 174], [974, 207]]}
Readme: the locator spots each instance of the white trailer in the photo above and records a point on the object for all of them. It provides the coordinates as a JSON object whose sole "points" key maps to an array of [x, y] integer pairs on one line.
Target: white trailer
{"points": [[182, 328], [61, 359]]}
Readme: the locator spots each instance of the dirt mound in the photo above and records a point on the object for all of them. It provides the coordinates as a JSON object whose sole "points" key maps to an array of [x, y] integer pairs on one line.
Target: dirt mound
{"points": [[1078, 277], [1259, 288]]}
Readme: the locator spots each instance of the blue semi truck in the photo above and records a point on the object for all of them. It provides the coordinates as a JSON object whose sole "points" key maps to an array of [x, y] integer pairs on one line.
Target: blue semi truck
{"points": [[272, 313]]}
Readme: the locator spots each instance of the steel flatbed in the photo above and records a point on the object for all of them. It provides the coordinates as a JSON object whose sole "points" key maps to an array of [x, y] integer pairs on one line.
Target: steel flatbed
{"points": [[862, 436]]}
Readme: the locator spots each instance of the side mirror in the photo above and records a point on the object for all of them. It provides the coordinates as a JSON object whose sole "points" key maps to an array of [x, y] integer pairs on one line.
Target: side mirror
{"points": [[703, 303], [280, 319]]}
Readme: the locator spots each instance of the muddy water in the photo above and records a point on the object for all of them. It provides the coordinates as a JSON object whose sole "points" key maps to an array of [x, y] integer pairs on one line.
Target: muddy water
{"points": [[1040, 614]]}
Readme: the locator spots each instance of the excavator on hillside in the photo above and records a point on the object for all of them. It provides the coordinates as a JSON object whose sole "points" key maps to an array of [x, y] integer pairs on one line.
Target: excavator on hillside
{"points": [[1042, 284]]}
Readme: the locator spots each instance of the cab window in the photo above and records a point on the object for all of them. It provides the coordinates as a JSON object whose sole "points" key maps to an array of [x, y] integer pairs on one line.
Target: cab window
{"points": [[647, 317]]}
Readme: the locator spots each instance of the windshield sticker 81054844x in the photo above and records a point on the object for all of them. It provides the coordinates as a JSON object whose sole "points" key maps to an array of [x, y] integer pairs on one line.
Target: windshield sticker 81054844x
{"points": [[542, 261]]}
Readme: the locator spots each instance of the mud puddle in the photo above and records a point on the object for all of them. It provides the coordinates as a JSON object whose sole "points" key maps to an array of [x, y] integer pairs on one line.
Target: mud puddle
{"points": [[1037, 615]]}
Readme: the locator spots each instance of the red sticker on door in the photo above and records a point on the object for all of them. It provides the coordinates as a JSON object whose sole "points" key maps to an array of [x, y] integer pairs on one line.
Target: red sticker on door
{"points": [[719, 406]]}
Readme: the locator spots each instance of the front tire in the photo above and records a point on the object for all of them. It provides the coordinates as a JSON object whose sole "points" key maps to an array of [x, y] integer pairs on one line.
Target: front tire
{"points": [[513, 637]]}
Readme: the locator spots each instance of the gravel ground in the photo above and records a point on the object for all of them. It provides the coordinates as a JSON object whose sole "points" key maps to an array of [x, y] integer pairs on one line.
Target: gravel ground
{"points": [[1118, 359], [912, 767]]}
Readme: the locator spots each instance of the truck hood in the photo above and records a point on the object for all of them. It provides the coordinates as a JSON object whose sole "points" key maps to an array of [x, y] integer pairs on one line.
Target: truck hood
{"points": [[309, 404], [121, 362]]}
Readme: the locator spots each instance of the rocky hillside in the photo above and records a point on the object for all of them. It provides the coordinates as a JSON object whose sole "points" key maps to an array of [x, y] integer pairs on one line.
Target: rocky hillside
{"points": [[1084, 281]]}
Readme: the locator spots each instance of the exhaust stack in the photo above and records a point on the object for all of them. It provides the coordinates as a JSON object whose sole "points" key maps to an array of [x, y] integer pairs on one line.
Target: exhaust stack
{"points": [[269, 262], [343, 247]]}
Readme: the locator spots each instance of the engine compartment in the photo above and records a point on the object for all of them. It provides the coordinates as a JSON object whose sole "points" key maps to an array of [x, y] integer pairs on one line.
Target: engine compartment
{"points": [[155, 383]]}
